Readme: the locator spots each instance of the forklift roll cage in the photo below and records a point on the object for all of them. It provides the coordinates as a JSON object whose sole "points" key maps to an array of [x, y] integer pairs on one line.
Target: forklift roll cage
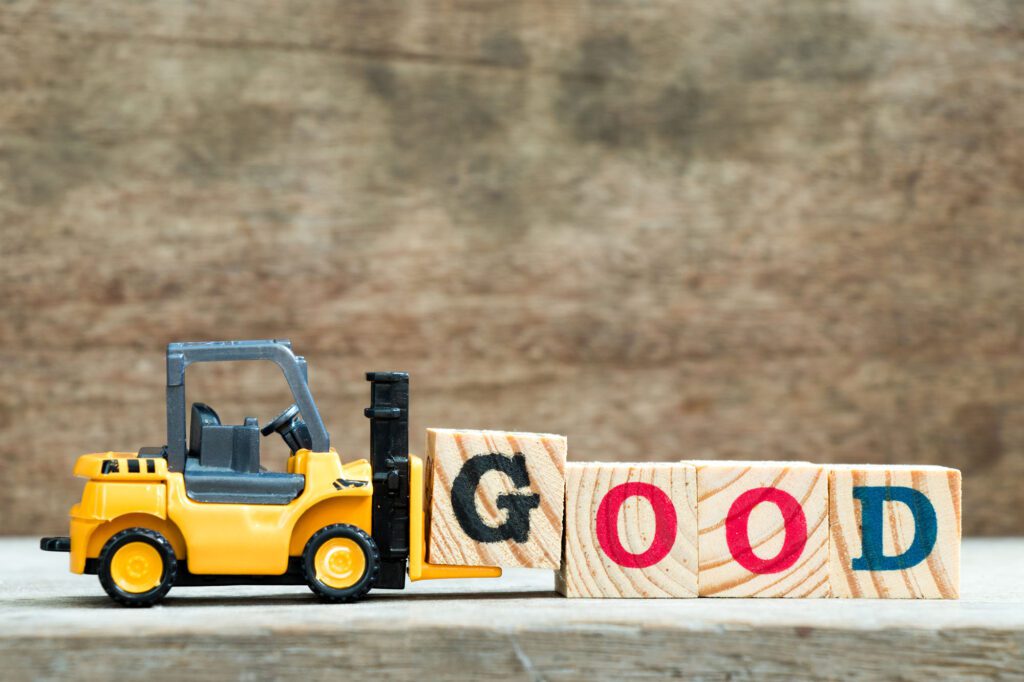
{"points": [[278, 351]]}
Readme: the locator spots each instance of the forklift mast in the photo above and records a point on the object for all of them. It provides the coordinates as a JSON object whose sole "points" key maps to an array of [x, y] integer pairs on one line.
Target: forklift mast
{"points": [[389, 457]]}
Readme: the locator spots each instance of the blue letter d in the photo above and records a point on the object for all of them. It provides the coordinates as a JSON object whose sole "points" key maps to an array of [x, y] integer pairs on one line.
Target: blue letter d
{"points": [[872, 499]]}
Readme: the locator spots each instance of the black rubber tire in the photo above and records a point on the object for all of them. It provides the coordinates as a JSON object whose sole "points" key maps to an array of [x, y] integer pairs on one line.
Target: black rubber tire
{"points": [[167, 578], [363, 585]]}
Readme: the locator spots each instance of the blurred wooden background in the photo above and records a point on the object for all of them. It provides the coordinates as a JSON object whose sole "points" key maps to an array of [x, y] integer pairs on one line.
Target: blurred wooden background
{"points": [[666, 229]]}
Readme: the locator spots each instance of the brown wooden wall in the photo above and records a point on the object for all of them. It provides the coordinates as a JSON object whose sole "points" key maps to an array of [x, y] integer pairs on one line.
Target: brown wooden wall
{"points": [[666, 229]]}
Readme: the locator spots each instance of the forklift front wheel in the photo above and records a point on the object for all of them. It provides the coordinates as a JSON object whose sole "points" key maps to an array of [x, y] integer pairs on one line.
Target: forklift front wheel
{"points": [[341, 563], [137, 567]]}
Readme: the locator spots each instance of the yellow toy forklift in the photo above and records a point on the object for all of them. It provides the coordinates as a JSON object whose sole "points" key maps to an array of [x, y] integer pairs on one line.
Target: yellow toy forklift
{"points": [[202, 511]]}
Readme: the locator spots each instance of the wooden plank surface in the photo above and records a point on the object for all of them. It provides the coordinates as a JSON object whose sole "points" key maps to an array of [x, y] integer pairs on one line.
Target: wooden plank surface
{"points": [[54, 624], [668, 230]]}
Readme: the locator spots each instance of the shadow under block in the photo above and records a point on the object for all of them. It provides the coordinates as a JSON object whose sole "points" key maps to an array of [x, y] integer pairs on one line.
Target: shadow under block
{"points": [[630, 531], [895, 531], [496, 498], [763, 529]]}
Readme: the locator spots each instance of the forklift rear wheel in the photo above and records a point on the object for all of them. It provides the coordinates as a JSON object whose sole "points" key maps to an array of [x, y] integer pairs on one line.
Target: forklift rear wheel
{"points": [[341, 563], [137, 567]]}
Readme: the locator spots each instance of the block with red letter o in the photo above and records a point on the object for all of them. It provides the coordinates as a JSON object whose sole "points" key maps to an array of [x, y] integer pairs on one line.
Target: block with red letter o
{"points": [[763, 529], [630, 531]]}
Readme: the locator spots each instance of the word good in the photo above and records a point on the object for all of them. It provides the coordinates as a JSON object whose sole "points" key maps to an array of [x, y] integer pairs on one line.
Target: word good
{"points": [[693, 528]]}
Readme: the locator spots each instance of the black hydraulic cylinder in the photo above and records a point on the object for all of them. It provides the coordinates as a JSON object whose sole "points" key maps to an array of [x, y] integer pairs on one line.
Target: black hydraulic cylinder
{"points": [[389, 456]]}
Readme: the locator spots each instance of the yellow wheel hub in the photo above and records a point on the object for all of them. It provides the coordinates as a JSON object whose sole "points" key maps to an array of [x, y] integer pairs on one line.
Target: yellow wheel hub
{"points": [[339, 563], [137, 567]]}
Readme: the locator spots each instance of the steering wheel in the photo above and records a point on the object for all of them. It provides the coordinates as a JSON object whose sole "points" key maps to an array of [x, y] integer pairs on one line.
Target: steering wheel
{"points": [[280, 421], [291, 428]]}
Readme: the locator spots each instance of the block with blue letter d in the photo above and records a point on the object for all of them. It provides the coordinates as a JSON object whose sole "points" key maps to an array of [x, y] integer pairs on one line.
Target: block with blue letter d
{"points": [[894, 531]]}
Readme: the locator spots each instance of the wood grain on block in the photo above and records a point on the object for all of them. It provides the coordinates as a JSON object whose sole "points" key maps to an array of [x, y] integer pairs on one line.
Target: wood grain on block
{"points": [[894, 531], [630, 531], [763, 529], [496, 498]]}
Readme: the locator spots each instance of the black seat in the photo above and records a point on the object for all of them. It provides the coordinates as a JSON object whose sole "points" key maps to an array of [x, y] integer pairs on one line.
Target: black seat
{"points": [[223, 464], [224, 446], [202, 416]]}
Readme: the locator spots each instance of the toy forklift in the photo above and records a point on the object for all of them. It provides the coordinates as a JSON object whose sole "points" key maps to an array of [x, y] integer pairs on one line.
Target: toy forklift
{"points": [[202, 511]]}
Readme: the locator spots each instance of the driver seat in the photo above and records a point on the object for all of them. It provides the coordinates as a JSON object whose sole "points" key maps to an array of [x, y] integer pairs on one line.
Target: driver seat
{"points": [[223, 464], [227, 447]]}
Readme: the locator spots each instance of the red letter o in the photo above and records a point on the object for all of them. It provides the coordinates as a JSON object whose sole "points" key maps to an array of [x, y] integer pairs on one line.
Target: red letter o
{"points": [[608, 526], [736, 531]]}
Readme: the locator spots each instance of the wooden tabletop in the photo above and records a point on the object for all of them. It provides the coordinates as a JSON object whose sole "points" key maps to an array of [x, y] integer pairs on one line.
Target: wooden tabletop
{"points": [[55, 625]]}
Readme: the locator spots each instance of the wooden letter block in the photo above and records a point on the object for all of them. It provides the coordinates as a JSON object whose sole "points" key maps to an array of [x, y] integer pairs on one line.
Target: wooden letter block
{"points": [[895, 531], [496, 498], [763, 529], [630, 531]]}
